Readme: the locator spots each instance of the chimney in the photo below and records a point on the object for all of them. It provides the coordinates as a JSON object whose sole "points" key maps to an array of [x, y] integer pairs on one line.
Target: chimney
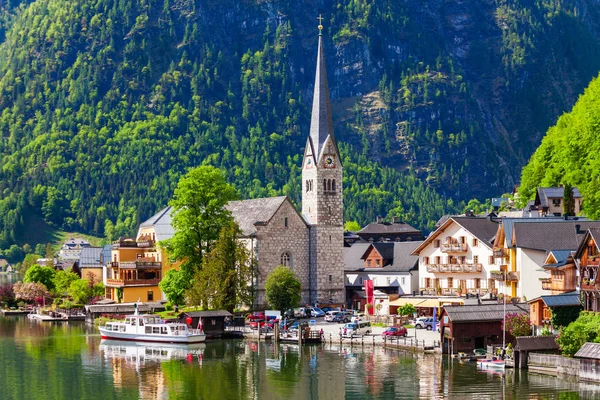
{"points": [[578, 230], [379, 219], [395, 219]]}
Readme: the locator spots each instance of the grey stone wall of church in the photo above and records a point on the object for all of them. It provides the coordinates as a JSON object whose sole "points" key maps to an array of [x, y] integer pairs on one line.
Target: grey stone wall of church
{"points": [[327, 264], [274, 239]]}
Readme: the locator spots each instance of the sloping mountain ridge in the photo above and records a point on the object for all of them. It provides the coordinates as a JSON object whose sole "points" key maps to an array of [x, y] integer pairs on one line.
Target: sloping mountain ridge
{"points": [[105, 103]]}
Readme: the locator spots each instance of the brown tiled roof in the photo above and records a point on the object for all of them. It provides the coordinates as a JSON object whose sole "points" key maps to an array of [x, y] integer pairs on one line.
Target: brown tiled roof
{"points": [[536, 343], [402, 260], [387, 228], [478, 313]]}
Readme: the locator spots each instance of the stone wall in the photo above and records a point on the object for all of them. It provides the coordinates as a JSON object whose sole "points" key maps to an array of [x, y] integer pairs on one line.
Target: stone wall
{"points": [[274, 239]]}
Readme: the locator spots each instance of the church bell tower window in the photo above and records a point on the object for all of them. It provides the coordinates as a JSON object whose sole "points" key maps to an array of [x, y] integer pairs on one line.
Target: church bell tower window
{"points": [[286, 260]]}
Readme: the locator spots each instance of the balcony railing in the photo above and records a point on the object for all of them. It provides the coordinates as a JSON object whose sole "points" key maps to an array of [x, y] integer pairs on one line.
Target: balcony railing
{"points": [[454, 268], [132, 282], [497, 275], [510, 275], [139, 264], [453, 247], [546, 283], [500, 253]]}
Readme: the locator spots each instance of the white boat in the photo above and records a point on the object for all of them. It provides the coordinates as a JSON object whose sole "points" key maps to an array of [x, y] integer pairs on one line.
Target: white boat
{"points": [[493, 364], [151, 328]]}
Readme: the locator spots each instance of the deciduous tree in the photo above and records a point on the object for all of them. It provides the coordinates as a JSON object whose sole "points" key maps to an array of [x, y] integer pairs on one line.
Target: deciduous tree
{"points": [[283, 289], [43, 275]]}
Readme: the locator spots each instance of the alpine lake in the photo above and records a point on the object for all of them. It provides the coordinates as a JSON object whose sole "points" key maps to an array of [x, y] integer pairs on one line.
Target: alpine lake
{"points": [[66, 360]]}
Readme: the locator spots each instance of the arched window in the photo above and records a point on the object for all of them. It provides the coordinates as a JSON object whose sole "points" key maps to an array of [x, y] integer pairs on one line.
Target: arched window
{"points": [[333, 185], [325, 184], [286, 259], [307, 185], [311, 185]]}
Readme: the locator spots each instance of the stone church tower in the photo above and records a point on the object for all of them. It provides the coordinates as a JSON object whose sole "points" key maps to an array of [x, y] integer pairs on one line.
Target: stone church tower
{"points": [[322, 195]]}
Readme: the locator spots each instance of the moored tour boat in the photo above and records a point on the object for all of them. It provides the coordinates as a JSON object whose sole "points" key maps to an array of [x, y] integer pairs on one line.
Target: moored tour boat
{"points": [[151, 328]]}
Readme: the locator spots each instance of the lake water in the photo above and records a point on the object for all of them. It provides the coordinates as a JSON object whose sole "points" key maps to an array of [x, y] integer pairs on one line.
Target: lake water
{"points": [[70, 361]]}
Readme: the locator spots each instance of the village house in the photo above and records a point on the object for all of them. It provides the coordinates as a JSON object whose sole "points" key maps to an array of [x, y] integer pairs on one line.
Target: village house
{"points": [[549, 201], [457, 257], [522, 246], [390, 265], [71, 250], [588, 256], [541, 308], [563, 272], [90, 264]]}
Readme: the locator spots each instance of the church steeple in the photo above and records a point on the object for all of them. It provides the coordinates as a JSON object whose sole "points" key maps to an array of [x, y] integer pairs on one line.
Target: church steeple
{"points": [[321, 125]]}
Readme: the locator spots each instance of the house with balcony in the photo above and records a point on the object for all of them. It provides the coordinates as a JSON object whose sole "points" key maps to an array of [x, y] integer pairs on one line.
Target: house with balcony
{"points": [[391, 266], [523, 246], [588, 256], [541, 309], [563, 272], [133, 273], [457, 258]]}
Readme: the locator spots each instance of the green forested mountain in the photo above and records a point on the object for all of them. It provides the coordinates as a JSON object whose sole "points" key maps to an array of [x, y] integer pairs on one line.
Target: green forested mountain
{"points": [[105, 103], [569, 154]]}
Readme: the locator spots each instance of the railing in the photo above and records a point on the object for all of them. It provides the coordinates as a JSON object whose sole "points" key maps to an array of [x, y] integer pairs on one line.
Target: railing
{"points": [[453, 247], [132, 282], [497, 275], [512, 276], [449, 268], [139, 264], [546, 284], [500, 253]]}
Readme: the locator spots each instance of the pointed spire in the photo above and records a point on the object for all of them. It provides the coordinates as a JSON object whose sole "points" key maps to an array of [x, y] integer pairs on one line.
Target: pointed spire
{"points": [[321, 124]]}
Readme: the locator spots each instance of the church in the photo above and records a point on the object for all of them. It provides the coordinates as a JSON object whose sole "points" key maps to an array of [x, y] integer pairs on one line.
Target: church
{"points": [[310, 242]]}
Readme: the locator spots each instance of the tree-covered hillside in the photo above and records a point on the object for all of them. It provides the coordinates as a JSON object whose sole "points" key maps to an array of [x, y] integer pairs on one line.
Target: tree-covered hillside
{"points": [[105, 103], [569, 154]]}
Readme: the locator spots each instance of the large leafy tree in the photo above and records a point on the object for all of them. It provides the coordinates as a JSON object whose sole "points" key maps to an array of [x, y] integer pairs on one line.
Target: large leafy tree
{"points": [[174, 285], [198, 215], [224, 282], [43, 275], [62, 281], [80, 291], [283, 289]]}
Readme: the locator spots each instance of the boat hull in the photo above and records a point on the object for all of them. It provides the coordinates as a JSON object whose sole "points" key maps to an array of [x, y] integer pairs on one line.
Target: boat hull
{"points": [[137, 337], [491, 365]]}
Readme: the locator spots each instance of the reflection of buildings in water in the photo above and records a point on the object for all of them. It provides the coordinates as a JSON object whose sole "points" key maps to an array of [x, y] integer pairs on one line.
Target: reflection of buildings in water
{"points": [[552, 384], [138, 365]]}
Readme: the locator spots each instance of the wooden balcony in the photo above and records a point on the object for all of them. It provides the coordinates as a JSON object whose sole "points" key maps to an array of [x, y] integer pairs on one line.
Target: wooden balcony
{"points": [[512, 276], [546, 283], [497, 275], [138, 264], [453, 247], [500, 253], [454, 268], [132, 282]]}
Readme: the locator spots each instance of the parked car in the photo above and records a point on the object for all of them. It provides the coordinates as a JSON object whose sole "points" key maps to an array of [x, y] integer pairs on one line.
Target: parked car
{"points": [[424, 323], [330, 309], [316, 312], [329, 315], [357, 316], [256, 323], [356, 329], [301, 312], [342, 317], [290, 322], [395, 331]]}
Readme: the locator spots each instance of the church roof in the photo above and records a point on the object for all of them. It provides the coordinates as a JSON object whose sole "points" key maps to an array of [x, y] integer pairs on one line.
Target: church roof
{"points": [[321, 125], [245, 212], [388, 228], [249, 212]]}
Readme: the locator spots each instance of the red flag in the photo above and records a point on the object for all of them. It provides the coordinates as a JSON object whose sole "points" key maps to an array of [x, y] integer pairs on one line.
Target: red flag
{"points": [[369, 291]]}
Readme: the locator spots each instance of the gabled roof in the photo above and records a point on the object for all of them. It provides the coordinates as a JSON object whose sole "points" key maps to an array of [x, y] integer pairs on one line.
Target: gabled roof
{"points": [[402, 260], [90, 257], [247, 213], [480, 313], [592, 233], [535, 343], [161, 221], [543, 194], [589, 350], [483, 228], [385, 250], [555, 235]]}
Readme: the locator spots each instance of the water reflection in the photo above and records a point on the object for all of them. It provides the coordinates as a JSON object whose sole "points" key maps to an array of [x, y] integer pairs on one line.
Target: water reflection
{"points": [[67, 360]]}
